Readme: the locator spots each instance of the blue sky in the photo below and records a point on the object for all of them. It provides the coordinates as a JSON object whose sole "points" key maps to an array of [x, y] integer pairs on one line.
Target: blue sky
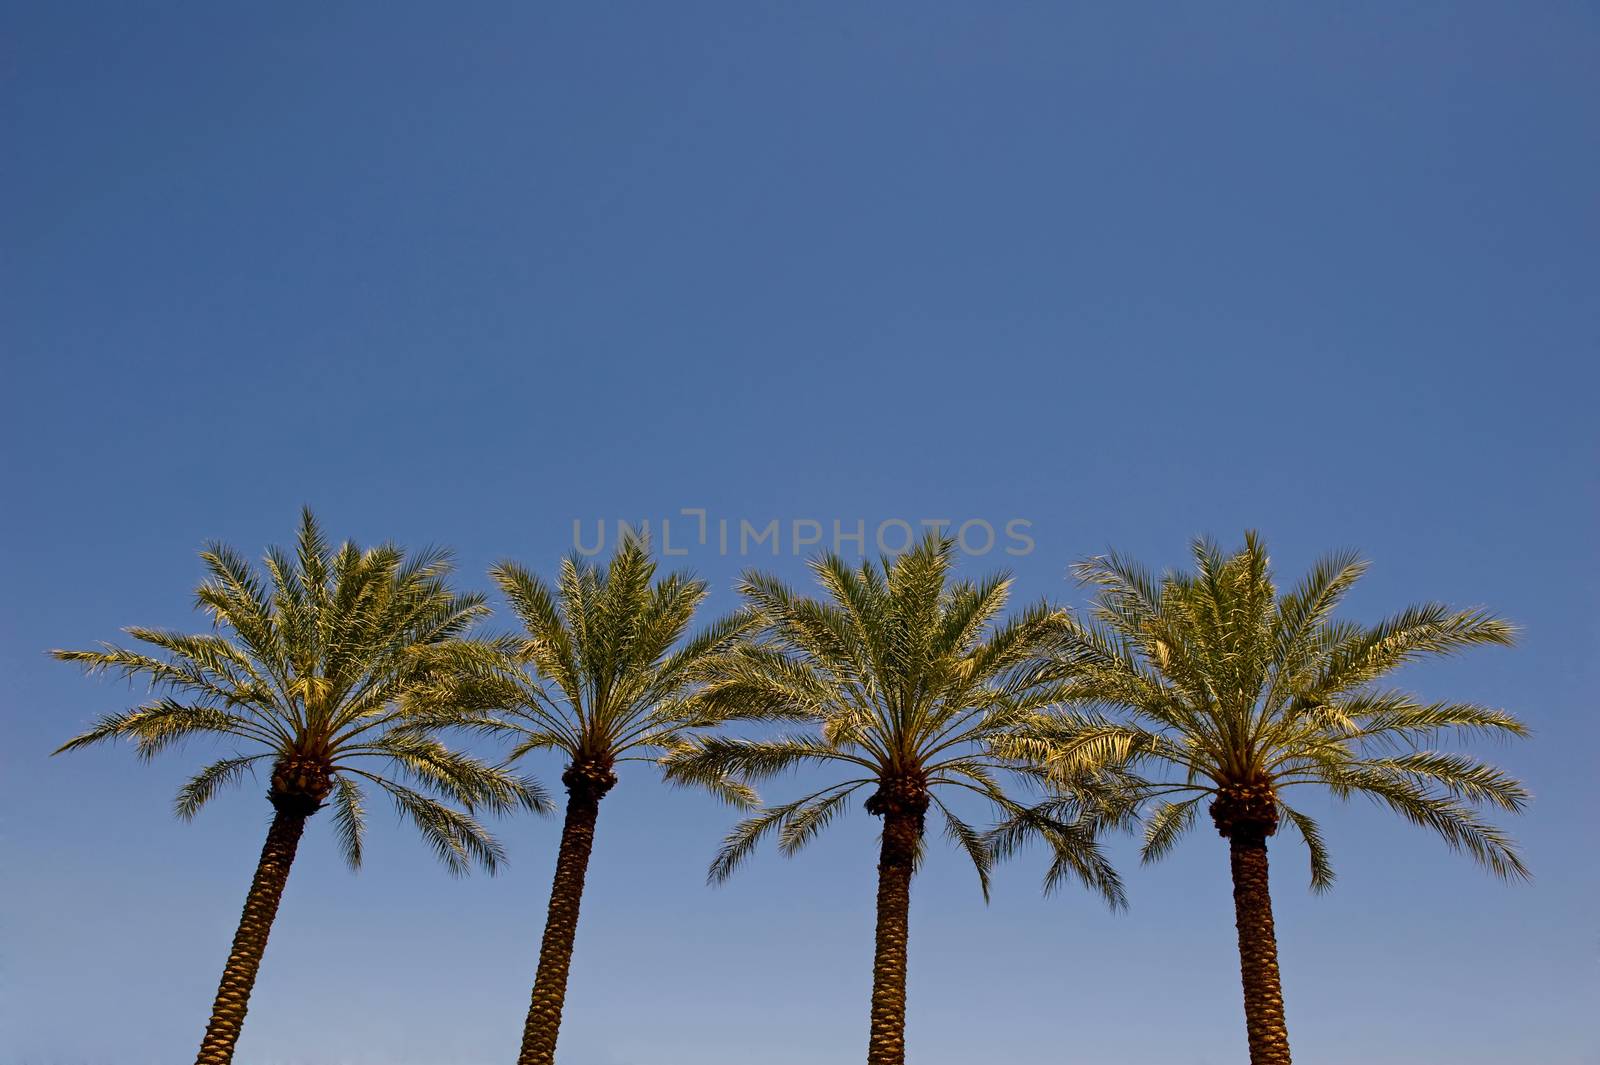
{"points": [[468, 274]]}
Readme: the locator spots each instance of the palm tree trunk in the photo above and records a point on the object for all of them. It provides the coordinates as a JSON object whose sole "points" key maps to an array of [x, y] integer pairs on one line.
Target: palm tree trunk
{"points": [[250, 941], [886, 1044], [561, 925], [1258, 949]]}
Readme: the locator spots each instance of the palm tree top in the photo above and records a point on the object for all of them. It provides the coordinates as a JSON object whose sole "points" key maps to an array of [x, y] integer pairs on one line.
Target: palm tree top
{"points": [[1214, 685], [308, 665], [904, 678], [603, 667]]}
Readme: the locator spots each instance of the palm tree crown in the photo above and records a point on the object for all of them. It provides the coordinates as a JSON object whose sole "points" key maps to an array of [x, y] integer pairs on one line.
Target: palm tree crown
{"points": [[907, 678], [602, 669], [1241, 694], [310, 668]]}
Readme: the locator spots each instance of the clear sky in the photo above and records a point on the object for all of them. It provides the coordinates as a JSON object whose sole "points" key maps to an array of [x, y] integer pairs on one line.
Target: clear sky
{"points": [[468, 273]]}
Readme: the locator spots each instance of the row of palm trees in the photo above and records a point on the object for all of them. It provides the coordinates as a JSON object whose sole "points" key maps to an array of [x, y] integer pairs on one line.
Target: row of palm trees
{"points": [[343, 670]]}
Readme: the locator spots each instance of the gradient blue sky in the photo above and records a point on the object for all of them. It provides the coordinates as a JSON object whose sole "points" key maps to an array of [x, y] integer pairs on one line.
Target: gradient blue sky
{"points": [[466, 273]]}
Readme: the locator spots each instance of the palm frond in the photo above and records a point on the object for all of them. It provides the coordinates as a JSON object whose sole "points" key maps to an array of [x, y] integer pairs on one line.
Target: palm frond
{"points": [[204, 785], [1322, 875], [349, 820], [971, 842], [1166, 826], [457, 839], [747, 835]]}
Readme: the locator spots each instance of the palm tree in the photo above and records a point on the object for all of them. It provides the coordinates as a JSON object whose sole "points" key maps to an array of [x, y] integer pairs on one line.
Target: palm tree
{"points": [[599, 675], [308, 670], [1228, 691], [907, 678]]}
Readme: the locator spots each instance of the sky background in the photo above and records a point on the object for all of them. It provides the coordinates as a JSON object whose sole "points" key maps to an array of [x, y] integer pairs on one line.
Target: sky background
{"points": [[466, 274]]}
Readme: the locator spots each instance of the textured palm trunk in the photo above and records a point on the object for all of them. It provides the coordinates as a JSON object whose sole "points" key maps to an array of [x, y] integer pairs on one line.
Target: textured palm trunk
{"points": [[250, 941], [1258, 950], [886, 1043], [584, 791]]}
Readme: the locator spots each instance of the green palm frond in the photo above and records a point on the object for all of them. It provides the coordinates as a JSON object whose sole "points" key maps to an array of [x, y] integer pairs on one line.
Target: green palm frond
{"points": [[204, 785], [457, 839], [1166, 825], [805, 824], [1397, 717], [1416, 632], [159, 724], [745, 836], [1460, 775], [972, 843], [1454, 821], [349, 820], [1069, 835], [753, 760], [1322, 875]]}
